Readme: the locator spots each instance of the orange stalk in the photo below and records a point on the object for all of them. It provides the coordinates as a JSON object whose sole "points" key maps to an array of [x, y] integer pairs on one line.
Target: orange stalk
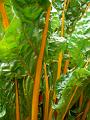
{"points": [[62, 34], [60, 54], [50, 114], [67, 108], [63, 18], [55, 115], [4, 15], [67, 62], [17, 101], [86, 110], [58, 73], [81, 100], [38, 69], [59, 65], [66, 3], [66, 67], [62, 28], [46, 95]]}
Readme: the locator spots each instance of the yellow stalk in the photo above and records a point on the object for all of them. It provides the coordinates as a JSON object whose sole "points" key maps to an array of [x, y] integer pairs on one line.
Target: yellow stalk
{"points": [[38, 69], [46, 95], [17, 101]]}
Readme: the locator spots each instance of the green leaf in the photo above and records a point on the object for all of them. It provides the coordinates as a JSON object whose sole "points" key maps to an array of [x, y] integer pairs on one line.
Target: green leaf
{"points": [[10, 41]]}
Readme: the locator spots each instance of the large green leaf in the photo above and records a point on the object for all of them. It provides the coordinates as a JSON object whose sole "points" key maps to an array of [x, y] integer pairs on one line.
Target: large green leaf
{"points": [[10, 40], [80, 78]]}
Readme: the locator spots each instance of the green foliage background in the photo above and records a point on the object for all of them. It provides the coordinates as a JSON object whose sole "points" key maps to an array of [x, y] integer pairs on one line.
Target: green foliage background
{"points": [[19, 50]]}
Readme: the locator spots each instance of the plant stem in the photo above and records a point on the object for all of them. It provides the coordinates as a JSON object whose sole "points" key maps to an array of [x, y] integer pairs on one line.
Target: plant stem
{"points": [[60, 54], [67, 108], [86, 110], [63, 18], [50, 114], [38, 69], [79, 115], [81, 100], [67, 4], [46, 95], [59, 65], [17, 101], [4, 15], [66, 67]]}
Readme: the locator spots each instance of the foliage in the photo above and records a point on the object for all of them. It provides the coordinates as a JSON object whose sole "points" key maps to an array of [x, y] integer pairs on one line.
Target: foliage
{"points": [[19, 50]]}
